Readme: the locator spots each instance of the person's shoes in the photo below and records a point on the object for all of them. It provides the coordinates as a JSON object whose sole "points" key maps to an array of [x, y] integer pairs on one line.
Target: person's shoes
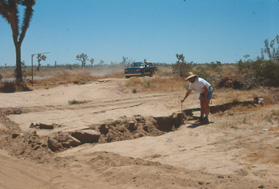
{"points": [[199, 120], [205, 120]]}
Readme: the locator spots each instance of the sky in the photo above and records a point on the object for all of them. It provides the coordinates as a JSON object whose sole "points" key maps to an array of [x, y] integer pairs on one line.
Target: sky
{"points": [[203, 31]]}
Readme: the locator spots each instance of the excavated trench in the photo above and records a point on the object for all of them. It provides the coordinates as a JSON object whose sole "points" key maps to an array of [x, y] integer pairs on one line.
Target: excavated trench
{"points": [[125, 128]]}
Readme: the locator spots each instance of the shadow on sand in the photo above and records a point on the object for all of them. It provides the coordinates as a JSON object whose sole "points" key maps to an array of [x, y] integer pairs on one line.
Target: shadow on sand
{"points": [[195, 125]]}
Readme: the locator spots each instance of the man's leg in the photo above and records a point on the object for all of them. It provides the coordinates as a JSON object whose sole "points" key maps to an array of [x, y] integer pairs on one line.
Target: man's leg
{"points": [[205, 108], [202, 109]]}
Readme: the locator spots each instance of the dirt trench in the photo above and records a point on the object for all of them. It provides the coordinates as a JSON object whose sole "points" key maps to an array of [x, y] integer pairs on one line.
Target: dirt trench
{"points": [[41, 148]]}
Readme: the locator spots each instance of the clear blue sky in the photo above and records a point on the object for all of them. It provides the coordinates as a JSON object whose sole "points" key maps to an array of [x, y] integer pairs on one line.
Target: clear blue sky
{"points": [[156, 30]]}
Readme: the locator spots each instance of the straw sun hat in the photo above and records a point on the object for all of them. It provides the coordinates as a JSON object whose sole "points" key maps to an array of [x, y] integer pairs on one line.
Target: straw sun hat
{"points": [[190, 75]]}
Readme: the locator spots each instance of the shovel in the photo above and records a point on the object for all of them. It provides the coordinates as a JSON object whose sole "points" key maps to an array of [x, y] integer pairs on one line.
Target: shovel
{"points": [[182, 120]]}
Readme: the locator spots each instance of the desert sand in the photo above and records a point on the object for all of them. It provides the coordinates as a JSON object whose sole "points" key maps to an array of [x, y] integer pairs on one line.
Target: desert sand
{"points": [[239, 148]]}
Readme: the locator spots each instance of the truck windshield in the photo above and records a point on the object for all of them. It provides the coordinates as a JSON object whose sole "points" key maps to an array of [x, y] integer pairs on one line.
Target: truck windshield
{"points": [[137, 64]]}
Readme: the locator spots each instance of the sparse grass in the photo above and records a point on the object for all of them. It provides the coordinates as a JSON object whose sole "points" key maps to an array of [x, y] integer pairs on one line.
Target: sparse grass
{"points": [[146, 83], [234, 121], [72, 102], [156, 84], [134, 90], [68, 76], [65, 77], [272, 117]]}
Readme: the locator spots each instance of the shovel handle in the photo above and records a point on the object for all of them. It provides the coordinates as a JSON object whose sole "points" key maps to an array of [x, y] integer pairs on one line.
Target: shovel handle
{"points": [[181, 114]]}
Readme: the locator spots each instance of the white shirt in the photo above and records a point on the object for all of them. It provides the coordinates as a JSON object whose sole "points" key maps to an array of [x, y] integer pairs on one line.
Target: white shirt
{"points": [[199, 84]]}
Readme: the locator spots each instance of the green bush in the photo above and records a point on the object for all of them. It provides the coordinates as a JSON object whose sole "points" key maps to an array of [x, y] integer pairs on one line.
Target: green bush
{"points": [[181, 68], [134, 90], [266, 72], [259, 73], [71, 102]]}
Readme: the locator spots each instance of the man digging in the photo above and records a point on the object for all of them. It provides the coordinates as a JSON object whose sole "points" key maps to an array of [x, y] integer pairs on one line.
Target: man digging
{"points": [[206, 91]]}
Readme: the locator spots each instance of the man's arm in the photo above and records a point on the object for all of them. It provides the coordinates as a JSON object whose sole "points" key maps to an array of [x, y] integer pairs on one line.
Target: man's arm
{"points": [[187, 94], [205, 91]]}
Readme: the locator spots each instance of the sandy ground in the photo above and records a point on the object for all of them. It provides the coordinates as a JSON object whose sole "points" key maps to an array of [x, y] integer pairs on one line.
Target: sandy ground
{"points": [[238, 149]]}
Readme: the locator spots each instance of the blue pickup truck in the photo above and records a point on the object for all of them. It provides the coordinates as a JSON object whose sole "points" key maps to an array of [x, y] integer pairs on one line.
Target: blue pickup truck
{"points": [[140, 69]]}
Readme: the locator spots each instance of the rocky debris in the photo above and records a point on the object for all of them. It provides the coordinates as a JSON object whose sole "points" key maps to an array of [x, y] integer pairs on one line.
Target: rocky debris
{"points": [[26, 145], [131, 126], [86, 136], [17, 111], [136, 127], [64, 140], [44, 126], [103, 129], [164, 123], [54, 145], [139, 119], [60, 141], [71, 142], [14, 135], [168, 123]]}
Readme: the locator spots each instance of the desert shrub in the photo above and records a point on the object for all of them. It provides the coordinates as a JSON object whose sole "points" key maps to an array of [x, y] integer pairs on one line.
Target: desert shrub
{"points": [[273, 116], [242, 82], [259, 73], [216, 67], [266, 72], [230, 83], [146, 83], [253, 74], [1, 77], [134, 90], [8, 87], [181, 67], [11, 87], [134, 81], [71, 102], [244, 67], [208, 75]]}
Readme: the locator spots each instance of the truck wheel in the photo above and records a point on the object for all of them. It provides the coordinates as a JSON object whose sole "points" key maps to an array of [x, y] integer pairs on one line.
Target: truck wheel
{"points": [[127, 76], [151, 74]]}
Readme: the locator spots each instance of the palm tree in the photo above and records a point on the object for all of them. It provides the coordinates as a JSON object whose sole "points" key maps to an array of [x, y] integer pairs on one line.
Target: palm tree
{"points": [[9, 11]]}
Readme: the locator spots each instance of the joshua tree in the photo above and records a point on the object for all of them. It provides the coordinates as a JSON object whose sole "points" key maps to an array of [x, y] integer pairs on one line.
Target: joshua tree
{"points": [[9, 10], [102, 62], [124, 60], [181, 67], [83, 58], [91, 61], [270, 48], [40, 58]]}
